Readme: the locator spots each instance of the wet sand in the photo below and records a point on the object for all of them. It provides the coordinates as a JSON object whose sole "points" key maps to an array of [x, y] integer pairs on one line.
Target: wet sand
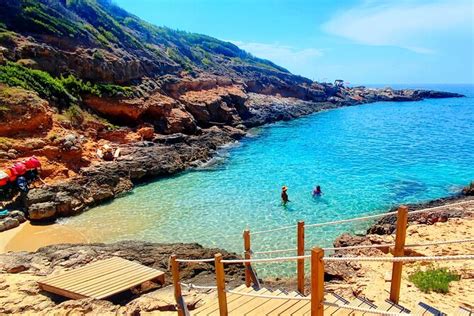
{"points": [[28, 237]]}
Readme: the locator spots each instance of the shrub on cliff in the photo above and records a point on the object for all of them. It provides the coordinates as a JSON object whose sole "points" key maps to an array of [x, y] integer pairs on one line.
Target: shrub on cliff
{"points": [[47, 87], [63, 91], [436, 280]]}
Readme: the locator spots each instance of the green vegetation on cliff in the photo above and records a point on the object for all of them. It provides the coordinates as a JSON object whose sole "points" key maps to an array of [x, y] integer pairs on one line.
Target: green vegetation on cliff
{"points": [[47, 87], [65, 91], [100, 23]]}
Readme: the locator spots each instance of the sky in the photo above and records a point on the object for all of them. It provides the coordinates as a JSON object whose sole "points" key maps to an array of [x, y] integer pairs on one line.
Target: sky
{"points": [[359, 41]]}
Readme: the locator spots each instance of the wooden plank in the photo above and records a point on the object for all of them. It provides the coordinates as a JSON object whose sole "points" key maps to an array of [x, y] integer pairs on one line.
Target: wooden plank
{"points": [[306, 309], [300, 252], [268, 304], [247, 248], [105, 279], [100, 279], [82, 270], [317, 281], [124, 285], [464, 312], [248, 307], [399, 251], [61, 292], [245, 299], [293, 310], [230, 298], [81, 276], [220, 284], [277, 310], [103, 276]]}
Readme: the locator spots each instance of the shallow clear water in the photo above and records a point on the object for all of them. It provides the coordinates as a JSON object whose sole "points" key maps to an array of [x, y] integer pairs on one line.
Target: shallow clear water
{"points": [[366, 159]]}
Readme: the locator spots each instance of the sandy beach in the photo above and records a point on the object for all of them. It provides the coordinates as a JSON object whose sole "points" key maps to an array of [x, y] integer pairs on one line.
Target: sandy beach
{"points": [[29, 237]]}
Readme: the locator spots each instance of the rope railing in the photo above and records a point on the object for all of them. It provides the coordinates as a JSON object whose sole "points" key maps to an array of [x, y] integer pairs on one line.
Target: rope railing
{"points": [[445, 242], [402, 259], [342, 221], [195, 260], [273, 230], [199, 287], [347, 258], [277, 259], [273, 251]]}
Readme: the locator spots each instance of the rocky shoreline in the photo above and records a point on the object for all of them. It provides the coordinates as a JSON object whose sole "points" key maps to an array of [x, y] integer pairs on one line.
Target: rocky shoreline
{"points": [[164, 155]]}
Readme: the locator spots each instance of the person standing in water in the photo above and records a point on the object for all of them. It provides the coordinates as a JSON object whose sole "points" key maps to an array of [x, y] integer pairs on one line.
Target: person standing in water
{"points": [[284, 195], [317, 191]]}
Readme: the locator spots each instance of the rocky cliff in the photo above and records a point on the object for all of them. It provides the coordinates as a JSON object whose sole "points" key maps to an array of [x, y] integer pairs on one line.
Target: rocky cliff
{"points": [[79, 74]]}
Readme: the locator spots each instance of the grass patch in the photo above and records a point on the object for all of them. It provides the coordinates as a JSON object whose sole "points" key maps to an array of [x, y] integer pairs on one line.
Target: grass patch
{"points": [[433, 279]]}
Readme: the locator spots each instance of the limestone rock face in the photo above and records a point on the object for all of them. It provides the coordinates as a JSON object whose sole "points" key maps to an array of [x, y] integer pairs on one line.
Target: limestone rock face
{"points": [[22, 111], [42, 211], [216, 105], [146, 133], [8, 223], [122, 109]]}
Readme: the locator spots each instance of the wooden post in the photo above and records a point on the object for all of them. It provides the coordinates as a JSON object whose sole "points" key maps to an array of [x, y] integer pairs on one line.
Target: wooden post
{"points": [[317, 282], [399, 250], [300, 252], [176, 283], [220, 282], [247, 256]]}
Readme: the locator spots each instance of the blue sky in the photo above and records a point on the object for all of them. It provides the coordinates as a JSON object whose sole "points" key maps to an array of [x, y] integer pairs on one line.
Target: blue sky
{"points": [[360, 41]]}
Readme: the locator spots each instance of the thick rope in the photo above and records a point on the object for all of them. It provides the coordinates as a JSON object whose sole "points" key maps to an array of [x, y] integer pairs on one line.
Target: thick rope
{"points": [[445, 242], [273, 251], [440, 207], [381, 259], [196, 260], [265, 259], [402, 259], [350, 220], [199, 287], [361, 309], [273, 230], [365, 217], [284, 297]]}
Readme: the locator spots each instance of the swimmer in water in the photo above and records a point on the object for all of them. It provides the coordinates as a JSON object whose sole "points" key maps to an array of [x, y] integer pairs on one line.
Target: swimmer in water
{"points": [[317, 191], [284, 195]]}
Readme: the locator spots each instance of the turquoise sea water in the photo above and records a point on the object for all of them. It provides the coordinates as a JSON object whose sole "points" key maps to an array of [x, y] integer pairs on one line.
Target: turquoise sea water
{"points": [[366, 158]]}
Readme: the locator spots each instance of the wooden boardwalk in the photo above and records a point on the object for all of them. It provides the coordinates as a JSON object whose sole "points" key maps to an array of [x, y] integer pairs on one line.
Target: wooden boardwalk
{"points": [[259, 306], [101, 279]]}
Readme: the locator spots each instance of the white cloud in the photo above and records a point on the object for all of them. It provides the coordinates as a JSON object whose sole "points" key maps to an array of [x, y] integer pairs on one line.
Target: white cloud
{"points": [[403, 24], [283, 55]]}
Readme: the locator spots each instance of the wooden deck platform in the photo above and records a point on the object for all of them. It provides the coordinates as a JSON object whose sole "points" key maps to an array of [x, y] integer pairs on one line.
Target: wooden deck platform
{"points": [[101, 279]]}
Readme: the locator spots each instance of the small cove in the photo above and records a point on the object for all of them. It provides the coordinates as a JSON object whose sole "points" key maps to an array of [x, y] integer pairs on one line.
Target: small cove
{"points": [[366, 158]]}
